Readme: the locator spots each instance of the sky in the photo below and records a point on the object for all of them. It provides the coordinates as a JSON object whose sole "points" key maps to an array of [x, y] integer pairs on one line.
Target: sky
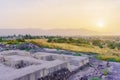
{"points": [[96, 15]]}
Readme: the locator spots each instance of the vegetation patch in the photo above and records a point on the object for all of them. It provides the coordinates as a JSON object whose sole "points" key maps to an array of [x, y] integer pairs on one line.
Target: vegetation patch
{"points": [[105, 72], [81, 46], [95, 78]]}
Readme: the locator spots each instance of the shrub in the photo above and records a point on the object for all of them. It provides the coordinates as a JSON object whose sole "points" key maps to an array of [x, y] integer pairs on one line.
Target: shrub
{"points": [[111, 45], [20, 40], [12, 42], [112, 60], [95, 78], [77, 54], [105, 72]]}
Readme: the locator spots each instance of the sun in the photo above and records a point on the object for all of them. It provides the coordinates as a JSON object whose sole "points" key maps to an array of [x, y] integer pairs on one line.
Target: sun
{"points": [[100, 24]]}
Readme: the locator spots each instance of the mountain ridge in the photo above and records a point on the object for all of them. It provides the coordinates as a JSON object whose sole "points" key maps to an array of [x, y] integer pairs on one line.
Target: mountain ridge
{"points": [[48, 32]]}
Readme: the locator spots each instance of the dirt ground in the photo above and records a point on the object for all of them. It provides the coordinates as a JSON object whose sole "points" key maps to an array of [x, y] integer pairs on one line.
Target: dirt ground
{"points": [[96, 68]]}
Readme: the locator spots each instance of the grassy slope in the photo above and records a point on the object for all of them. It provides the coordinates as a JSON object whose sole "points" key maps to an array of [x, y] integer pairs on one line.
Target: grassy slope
{"points": [[102, 53]]}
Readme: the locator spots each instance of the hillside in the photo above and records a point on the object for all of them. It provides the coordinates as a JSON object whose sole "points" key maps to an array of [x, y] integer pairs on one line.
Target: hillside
{"points": [[101, 53]]}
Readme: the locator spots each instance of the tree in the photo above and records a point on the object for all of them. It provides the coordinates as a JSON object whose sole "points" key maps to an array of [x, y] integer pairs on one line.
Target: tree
{"points": [[97, 43], [1, 39], [111, 45], [49, 40]]}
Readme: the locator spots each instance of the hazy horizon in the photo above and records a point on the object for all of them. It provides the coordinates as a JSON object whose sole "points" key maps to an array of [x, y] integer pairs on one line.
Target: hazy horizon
{"points": [[101, 16], [53, 32]]}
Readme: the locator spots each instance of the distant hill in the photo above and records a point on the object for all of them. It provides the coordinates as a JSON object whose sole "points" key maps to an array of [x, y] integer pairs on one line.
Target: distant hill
{"points": [[59, 32]]}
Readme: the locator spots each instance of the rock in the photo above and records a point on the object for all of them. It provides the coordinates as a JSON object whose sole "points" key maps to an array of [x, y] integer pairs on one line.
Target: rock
{"points": [[84, 78], [108, 64]]}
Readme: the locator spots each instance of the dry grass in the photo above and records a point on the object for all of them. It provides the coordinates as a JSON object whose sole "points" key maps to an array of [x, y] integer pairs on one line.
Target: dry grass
{"points": [[103, 53]]}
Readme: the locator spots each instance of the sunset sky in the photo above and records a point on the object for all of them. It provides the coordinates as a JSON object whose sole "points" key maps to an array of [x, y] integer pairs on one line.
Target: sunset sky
{"points": [[96, 15]]}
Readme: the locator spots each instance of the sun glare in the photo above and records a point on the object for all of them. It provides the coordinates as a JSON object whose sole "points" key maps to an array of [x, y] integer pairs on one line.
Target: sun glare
{"points": [[100, 24]]}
